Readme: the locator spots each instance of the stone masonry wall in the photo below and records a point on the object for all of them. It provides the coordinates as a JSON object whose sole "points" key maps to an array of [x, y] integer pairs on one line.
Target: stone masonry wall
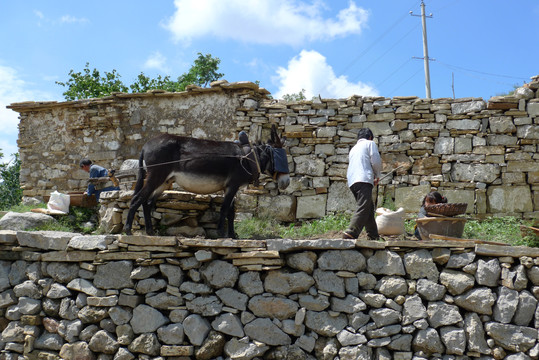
{"points": [[473, 151], [68, 296], [53, 136]]}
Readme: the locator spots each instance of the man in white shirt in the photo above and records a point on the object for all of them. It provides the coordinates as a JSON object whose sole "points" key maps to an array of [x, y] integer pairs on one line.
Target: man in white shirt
{"points": [[364, 167]]}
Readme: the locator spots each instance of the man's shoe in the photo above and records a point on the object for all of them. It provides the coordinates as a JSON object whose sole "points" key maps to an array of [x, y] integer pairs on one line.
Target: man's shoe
{"points": [[348, 235]]}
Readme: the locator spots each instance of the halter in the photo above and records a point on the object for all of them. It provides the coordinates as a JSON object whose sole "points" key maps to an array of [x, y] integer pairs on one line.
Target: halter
{"points": [[278, 160]]}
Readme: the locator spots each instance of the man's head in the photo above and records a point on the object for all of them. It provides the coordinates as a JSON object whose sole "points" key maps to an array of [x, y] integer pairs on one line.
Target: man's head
{"points": [[85, 164], [365, 133]]}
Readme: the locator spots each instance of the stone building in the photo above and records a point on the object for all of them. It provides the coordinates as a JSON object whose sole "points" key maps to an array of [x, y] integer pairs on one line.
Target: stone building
{"points": [[484, 153]]}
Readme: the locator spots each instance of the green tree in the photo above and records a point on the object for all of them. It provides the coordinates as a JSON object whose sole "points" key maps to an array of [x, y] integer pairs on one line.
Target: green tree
{"points": [[295, 96], [144, 83], [90, 84], [10, 189], [203, 72]]}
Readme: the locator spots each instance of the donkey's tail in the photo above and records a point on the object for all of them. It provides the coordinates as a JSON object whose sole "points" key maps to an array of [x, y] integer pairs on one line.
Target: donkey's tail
{"points": [[141, 173]]}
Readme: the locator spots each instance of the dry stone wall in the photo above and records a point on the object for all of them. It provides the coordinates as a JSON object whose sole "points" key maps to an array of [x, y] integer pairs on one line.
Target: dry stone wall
{"points": [[482, 153], [66, 295]]}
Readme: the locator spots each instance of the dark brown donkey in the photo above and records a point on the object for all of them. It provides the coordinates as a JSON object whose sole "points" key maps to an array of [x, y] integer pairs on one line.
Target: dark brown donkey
{"points": [[204, 167]]}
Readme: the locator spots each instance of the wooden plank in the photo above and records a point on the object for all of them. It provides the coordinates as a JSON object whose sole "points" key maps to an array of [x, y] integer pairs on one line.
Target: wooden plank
{"points": [[48, 212]]}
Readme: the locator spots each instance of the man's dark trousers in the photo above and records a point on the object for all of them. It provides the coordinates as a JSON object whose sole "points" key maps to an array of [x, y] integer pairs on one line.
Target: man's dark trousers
{"points": [[364, 214]]}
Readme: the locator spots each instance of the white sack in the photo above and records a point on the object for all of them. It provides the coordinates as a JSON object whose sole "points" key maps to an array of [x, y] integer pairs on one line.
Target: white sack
{"points": [[390, 222], [58, 203]]}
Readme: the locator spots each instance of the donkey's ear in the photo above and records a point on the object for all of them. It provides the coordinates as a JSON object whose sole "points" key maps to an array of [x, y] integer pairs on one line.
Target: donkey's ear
{"points": [[274, 135], [275, 140]]}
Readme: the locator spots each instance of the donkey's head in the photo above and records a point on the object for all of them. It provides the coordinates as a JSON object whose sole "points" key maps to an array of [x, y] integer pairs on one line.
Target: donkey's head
{"points": [[276, 162]]}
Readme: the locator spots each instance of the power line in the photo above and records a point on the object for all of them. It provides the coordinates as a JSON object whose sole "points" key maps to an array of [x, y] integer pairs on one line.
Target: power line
{"points": [[375, 42], [405, 81], [393, 73], [383, 54], [481, 72], [446, 5]]}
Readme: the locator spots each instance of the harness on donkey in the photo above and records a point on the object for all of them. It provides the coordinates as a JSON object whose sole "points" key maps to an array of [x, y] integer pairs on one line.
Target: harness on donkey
{"points": [[203, 167], [279, 162]]}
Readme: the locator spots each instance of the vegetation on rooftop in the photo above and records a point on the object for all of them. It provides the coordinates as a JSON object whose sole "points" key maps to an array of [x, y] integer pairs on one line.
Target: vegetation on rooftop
{"points": [[92, 84]]}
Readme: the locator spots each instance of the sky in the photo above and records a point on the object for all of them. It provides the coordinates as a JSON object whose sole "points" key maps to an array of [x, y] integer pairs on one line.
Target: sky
{"points": [[331, 48]]}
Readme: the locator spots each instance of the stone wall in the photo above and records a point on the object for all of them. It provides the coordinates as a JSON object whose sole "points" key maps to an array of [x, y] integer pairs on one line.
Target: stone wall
{"points": [[54, 136], [473, 151], [126, 297]]}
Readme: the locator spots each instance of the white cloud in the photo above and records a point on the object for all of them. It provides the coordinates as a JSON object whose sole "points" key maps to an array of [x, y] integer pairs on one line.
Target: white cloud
{"points": [[65, 19], [291, 22], [7, 148], [39, 14], [311, 72], [69, 19], [156, 61], [13, 89]]}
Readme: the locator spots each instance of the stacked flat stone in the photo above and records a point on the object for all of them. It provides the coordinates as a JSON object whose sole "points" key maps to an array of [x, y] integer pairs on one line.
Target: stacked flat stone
{"points": [[483, 153], [177, 212], [65, 295]]}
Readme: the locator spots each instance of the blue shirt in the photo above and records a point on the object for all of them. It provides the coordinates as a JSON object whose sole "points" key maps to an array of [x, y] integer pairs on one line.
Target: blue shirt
{"points": [[95, 172]]}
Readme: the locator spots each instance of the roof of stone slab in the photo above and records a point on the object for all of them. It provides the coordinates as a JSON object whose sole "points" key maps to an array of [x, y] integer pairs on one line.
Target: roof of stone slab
{"points": [[216, 86], [223, 85]]}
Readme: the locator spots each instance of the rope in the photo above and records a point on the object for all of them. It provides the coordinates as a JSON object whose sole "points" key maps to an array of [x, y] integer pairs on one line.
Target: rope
{"points": [[240, 157], [256, 158]]}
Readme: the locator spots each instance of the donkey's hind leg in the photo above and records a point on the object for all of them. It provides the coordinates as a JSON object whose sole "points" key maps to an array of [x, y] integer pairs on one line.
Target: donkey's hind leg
{"points": [[147, 208], [138, 199], [154, 186], [157, 182]]}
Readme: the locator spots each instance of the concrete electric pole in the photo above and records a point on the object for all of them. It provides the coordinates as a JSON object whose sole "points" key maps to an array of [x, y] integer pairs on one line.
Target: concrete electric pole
{"points": [[425, 48]]}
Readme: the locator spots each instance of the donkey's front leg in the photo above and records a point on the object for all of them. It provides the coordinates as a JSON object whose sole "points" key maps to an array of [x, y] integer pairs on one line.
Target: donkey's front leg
{"points": [[230, 217], [226, 207]]}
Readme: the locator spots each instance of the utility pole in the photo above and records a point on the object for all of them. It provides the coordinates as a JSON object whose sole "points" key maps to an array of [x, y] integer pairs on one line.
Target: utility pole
{"points": [[425, 48]]}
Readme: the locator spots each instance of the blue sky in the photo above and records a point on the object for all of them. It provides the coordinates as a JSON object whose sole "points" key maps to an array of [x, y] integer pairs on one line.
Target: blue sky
{"points": [[335, 48]]}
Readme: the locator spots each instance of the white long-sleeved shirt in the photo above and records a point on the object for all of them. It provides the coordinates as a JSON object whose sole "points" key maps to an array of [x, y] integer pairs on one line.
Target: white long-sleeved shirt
{"points": [[364, 163]]}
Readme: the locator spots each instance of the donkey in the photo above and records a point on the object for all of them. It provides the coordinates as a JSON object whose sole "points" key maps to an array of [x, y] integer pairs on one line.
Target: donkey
{"points": [[204, 167]]}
